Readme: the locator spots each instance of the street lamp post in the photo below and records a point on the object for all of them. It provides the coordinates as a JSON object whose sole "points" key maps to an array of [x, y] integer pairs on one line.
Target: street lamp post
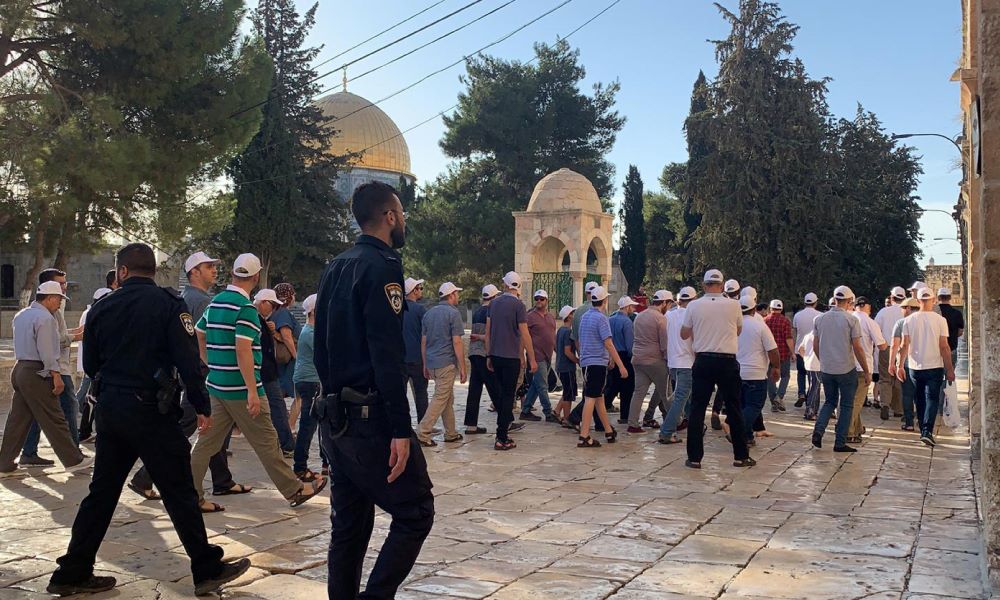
{"points": [[956, 141]]}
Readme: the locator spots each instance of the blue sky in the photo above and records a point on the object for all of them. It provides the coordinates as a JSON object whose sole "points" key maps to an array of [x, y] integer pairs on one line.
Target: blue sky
{"points": [[895, 57]]}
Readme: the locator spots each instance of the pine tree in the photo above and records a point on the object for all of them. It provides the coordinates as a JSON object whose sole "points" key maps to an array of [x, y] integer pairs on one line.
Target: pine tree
{"points": [[633, 243]]}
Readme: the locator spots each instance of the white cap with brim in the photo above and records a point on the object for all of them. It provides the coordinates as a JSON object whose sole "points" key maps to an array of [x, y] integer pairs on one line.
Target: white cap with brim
{"points": [[589, 286], [598, 293], [266, 294], [490, 291], [626, 301], [541, 294], [747, 303], [749, 291], [944, 292], [246, 265], [731, 286], [687, 293], [411, 283], [512, 280], [309, 304], [777, 305], [712, 276], [101, 292], [811, 298], [198, 258], [51, 288], [831, 302], [898, 293], [843, 293], [662, 296], [565, 312], [925, 293], [917, 285], [448, 288]]}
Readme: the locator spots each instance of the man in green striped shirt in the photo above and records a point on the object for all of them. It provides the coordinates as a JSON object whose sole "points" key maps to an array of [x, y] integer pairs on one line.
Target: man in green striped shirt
{"points": [[229, 340]]}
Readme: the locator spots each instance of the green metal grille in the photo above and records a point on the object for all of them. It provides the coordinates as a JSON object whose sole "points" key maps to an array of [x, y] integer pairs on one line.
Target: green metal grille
{"points": [[558, 285]]}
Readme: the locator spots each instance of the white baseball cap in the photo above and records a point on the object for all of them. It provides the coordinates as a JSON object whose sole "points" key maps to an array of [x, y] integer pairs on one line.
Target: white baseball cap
{"points": [[490, 291], [831, 302], [266, 294], [101, 292], [625, 301], [898, 293], [590, 285], [565, 312], [540, 294], [749, 291], [944, 292], [309, 304], [842, 292], [712, 276], [925, 293], [686, 293], [447, 288], [747, 303], [246, 265], [598, 293], [512, 280], [917, 285], [731, 286], [662, 295], [777, 305], [811, 298], [51, 288], [411, 283], [196, 259]]}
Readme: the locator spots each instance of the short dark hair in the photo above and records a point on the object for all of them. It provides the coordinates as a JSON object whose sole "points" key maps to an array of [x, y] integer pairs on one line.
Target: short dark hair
{"points": [[138, 258], [370, 201], [49, 275], [110, 278]]}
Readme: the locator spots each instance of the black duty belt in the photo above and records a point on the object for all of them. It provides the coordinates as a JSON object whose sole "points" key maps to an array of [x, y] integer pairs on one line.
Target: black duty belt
{"points": [[364, 413], [715, 355]]}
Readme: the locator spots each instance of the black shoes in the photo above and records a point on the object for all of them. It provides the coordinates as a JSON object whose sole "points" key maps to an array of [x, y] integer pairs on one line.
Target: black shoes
{"points": [[800, 402], [530, 417], [844, 449], [230, 571], [928, 439], [716, 422], [92, 585], [884, 412], [817, 439], [746, 462], [692, 464]]}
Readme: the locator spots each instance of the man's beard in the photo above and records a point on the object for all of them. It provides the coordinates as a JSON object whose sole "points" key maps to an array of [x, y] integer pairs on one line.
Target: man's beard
{"points": [[398, 237]]}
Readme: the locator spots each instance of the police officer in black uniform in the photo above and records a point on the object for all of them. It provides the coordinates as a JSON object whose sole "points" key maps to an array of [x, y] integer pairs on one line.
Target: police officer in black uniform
{"points": [[364, 415], [134, 339]]}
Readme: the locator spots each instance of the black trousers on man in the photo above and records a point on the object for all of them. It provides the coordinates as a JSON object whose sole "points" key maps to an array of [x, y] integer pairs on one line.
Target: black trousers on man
{"points": [[479, 377], [623, 388], [359, 465], [715, 370], [132, 429], [506, 371], [416, 379]]}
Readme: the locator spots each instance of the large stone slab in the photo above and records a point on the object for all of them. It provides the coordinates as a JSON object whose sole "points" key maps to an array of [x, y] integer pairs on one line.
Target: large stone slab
{"points": [[811, 575], [693, 579], [850, 535], [556, 586], [714, 550], [280, 587]]}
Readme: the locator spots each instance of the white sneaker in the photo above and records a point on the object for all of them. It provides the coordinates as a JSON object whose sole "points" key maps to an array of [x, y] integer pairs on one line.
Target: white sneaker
{"points": [[86, 463]]}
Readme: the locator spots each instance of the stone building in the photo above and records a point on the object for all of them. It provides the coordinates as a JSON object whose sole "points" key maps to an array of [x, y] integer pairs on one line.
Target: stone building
{"points": [[946, 276]]}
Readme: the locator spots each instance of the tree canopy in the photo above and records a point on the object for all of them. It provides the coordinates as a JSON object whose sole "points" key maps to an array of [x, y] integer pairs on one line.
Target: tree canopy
{"points": [[633, 242]]}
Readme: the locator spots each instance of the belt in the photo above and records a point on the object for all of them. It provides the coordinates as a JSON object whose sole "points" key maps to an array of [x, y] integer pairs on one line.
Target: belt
{"points": [[364, 412], [715, 355]]}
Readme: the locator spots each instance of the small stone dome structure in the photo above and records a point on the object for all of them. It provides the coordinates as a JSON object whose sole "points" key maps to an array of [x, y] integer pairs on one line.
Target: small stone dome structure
{"points": [[562, 190]]}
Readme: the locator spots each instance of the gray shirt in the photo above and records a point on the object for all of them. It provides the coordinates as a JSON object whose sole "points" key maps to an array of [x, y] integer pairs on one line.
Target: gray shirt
{"points": [[197, 301], [835, 330], [507, 313], [36, 337], [441, 323], [66, 366]]}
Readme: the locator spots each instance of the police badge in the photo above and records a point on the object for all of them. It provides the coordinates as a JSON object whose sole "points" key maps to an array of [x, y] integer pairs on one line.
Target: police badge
{"points": [[394, 292], [188, 323]]}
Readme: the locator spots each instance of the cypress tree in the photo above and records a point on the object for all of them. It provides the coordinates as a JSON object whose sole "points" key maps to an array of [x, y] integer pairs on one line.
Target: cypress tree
{"points": [[633, 245]]}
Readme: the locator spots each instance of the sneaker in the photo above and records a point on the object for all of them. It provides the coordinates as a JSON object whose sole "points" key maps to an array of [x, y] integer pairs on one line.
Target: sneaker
{"points": [[692, 464], [515, 427], [817, 439], [884, 414], [745, 463], [92, 585], [288, 453], [474, 430], [551, 418], [800, 402], [530, 417], [230, 571], [928, 439], [453, 438], [844, 449], [35, 461], [636, 429], [86, 463], [780, 403], [716, 423]]}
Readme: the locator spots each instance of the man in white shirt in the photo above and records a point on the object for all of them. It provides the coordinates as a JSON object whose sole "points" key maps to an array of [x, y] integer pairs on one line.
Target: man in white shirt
{"points": [[925, 344], [759, 360], [680, 359], [802, 325], [890, 391], [713, 324], [871, 338]]}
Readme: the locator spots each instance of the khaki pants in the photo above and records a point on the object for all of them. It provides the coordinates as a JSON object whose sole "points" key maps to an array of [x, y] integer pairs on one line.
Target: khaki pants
{"points": [[441, 405], [890, 388], [259, 433], [859, 402], [33, 400]]}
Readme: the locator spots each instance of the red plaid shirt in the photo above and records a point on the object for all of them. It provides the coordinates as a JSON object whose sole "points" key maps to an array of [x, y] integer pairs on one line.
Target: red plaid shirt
{"points": [[781, 328]]}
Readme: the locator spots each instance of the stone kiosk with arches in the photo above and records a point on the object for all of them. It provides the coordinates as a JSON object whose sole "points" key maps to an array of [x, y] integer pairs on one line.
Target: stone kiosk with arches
{"points": [[563, 239]]}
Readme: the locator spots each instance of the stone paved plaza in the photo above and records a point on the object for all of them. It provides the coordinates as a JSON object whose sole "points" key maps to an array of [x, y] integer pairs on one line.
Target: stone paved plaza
{"points": [[550, 521]]}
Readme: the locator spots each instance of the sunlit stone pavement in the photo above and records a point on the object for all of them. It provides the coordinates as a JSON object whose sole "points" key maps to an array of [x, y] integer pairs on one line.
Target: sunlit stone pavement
{"points": [[548, 520]]}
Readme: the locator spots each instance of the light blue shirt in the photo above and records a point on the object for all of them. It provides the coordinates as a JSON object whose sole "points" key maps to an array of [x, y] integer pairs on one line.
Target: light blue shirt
{"points": [[36, 337], [441, 324], [594, 329], [622, 332], [305, 370]]}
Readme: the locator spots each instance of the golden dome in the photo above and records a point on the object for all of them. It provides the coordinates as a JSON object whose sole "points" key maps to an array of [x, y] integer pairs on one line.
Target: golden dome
{"points": [[366, 129], [564, 190]]}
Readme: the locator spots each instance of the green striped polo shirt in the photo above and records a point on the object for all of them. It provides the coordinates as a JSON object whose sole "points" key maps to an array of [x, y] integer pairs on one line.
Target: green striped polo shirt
{"points": [[230, 315]]}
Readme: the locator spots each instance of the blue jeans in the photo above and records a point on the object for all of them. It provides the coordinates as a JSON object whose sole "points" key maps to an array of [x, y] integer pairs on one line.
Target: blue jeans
{"points": [[800, 375], [67, 401], [839, 390], [752, 396], [678, 408], [907, 391], [927, 395], [777, 390], [308, 391], [279, 414], [539, 388]]}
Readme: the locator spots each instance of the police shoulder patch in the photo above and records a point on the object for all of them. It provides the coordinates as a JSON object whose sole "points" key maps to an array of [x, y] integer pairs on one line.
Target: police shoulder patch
{"points": [[188, 322], [394, 292]]}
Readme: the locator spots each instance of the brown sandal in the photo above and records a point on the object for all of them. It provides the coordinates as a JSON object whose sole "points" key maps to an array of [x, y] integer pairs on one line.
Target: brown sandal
{"points": [[307, 476], [299, 498], [237, 489], [213, 507]]}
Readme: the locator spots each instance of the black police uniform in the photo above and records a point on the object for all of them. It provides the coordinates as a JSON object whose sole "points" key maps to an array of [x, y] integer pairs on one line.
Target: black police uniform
{"points": [[359, 345], [130, 334]]}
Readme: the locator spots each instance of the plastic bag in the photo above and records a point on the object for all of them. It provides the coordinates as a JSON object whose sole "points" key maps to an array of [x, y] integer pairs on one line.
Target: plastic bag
{"points": [[951, 417]]}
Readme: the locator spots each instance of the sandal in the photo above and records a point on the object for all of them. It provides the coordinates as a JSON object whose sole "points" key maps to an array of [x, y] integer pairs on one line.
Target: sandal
{"points": [[907, 428], [588, 442], [325, 471], [211, 507], [504, 446], [651, 424], [611, 437], [299, 498], [306, 476], [427, 444], [149, 494], [673, 439], [238, 488]]}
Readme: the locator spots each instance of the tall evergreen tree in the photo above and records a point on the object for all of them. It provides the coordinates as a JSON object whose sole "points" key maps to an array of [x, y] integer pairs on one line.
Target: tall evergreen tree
{"points": [[699, 148], [287, 210], [632, 253], [665, 255]]}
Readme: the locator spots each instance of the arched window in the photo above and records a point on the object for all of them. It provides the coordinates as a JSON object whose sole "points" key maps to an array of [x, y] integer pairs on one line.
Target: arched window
{"points": [[565, 261]]}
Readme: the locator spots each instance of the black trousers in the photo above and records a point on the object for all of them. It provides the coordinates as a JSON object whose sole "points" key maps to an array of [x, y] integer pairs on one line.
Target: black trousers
{"points": [[415, 377], [622, 388], [218, 464], [479, 377], [359, 465], [710, 372], [131, 429], [506, 371]]}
